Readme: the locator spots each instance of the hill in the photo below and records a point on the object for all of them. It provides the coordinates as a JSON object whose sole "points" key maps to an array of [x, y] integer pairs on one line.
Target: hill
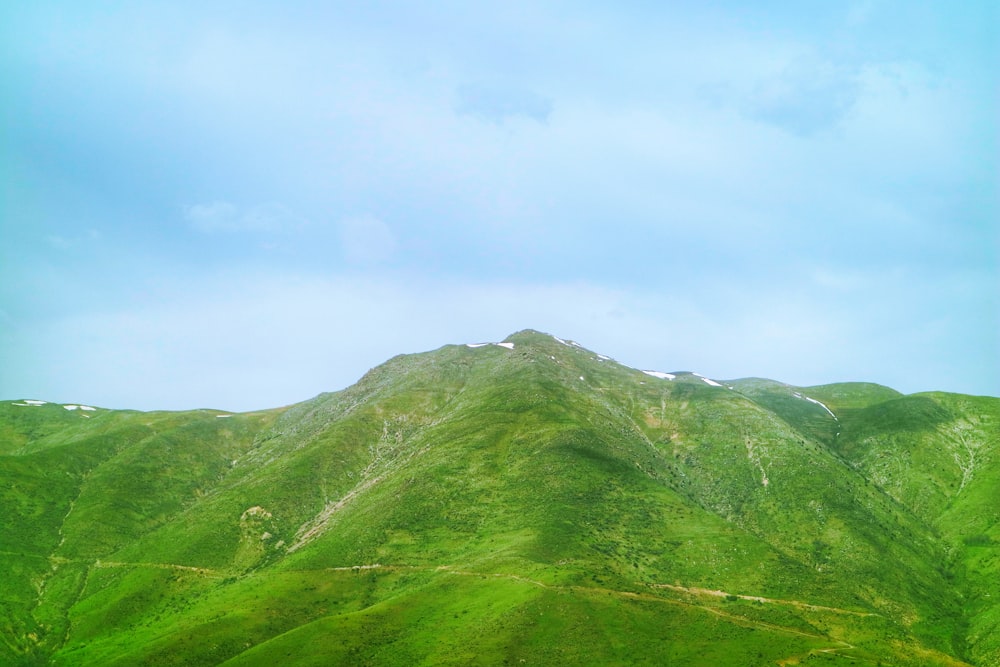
{"points": [[525, 502]]}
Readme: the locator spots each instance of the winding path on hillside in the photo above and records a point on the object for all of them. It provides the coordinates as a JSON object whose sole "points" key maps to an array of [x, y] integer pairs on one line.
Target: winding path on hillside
{"points": [[839, 645], [757, 598], [835, 645]]}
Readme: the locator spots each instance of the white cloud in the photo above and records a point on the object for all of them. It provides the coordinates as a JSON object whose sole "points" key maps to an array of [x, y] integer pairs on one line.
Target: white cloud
{"points": [[249, 341], [226, 217], [496, 104], [860, 13], [366, 240], [60, 242], [809, 95], [655, 150], [74, 239], [213, 217]]}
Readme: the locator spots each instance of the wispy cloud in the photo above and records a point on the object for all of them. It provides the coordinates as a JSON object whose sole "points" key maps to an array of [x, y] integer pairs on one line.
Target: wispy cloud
{"points": [[747, 182], [808, 96], [74, 239], [311, 333], [226, 217], [497, 104], [367, 240], [213, 217]]}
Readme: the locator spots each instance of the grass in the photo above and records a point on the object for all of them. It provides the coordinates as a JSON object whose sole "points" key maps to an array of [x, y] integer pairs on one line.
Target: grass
{"points": [[489, 506]]}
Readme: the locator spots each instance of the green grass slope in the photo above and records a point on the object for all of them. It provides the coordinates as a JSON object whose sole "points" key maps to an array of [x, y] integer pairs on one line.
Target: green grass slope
{"points": [[485, 505], [939, 455], [77, 486]]}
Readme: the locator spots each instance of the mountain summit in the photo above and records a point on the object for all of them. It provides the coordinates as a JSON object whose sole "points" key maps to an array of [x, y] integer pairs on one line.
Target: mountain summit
{"points": [[527, 501]]}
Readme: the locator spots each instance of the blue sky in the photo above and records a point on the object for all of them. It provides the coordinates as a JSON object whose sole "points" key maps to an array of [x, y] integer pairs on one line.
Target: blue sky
{"points": [[241, 205]]}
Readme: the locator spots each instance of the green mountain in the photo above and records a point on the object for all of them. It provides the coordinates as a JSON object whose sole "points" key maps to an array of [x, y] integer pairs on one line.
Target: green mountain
{"points": [[530, 502]]}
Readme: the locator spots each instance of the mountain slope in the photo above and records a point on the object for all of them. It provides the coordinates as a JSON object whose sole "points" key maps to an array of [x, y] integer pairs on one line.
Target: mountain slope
{"points": [[531, 501]]}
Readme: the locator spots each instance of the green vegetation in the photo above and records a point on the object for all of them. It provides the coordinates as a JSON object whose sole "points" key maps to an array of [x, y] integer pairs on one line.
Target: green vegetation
{"points": [[534, 505]]}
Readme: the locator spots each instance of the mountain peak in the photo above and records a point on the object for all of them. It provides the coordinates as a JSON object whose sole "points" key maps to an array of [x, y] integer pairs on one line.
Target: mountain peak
{"points": [[526, 500], [527, 336]]}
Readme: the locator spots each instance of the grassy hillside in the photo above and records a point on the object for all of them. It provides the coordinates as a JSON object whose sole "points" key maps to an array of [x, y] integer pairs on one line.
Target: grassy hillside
{"points": [[533, 503]]}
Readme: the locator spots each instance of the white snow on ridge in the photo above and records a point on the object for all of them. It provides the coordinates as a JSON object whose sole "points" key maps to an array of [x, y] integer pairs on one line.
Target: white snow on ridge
{"points": [[813, 400], [603, 357], [79, 407], [476, 344], [509, 346], [557, 338], [658, 374], [34, 402], [705, 379]]}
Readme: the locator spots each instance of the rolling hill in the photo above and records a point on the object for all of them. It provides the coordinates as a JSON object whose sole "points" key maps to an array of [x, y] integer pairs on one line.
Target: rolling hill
{"points": [[521, 502]]}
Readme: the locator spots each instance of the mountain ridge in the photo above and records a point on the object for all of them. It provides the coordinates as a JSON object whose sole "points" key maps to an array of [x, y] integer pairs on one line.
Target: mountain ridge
{"points": [[764, 523]]}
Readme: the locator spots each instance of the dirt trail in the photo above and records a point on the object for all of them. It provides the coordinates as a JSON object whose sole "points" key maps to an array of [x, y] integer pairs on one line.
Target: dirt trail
{"points": [[839, 645], [450, 569], [743, 621], [161, 566], [834, 645], [98, 563], [756, 598]]}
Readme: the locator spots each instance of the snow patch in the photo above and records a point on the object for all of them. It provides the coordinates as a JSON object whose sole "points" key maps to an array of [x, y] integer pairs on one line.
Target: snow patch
{"points": [[581, 377], [560, 340], [222, 416], [476, 344], [603, 358], [658, 374], [813, 400], [706, 380], [79, 407], [29, 401], [509, 346]]}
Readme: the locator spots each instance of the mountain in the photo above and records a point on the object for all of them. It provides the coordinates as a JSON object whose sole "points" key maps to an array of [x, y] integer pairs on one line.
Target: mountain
{"points": [[522, 502]]}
